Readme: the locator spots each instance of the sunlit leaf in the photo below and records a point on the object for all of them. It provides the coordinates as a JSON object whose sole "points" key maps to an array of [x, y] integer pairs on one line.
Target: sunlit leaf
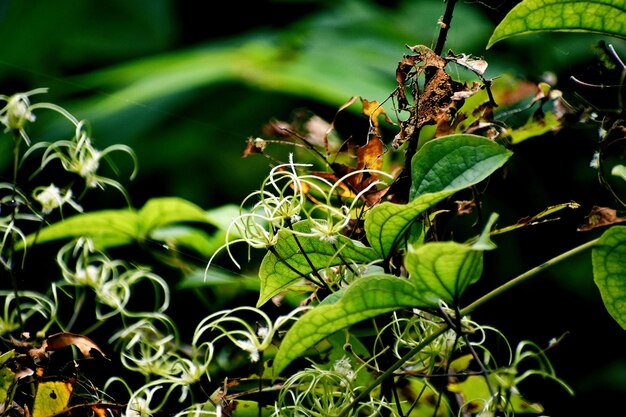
{"points": [[609, 271], [370, 154], [7, 376], [419, 399], [365, 298], [111, 228], [606, 17], [158, 212], [475, 393], [462, 363], [52, 397], [443, 270], [298, 256], [455, 162], [9, 354], [484, 241], [537, 125], [107, 228], [373, 110], [619, 171]]}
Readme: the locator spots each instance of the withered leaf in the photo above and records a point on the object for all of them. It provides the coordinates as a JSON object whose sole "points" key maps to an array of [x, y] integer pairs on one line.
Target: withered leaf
{"points": [[538, 218], [475, 64], [254, 145], [373, 109], [465, 206], [61, 340], [317, 130], [599, 217], [370, 155], [438, 101]]}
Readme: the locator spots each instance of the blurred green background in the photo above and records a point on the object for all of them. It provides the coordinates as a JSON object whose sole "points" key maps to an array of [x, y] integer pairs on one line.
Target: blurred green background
{"points": [[186, 83]]}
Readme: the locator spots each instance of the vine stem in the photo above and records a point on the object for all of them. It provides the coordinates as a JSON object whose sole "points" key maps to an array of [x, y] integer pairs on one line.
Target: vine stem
{"points": [[522, 277]]}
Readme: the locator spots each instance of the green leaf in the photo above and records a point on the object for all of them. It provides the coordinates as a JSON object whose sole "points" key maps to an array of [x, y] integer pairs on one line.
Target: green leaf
{"points": [[288, 263], [7, 377], [475, 391], [387, 224], [112, 228], [158, 212], [538, 124], [619, 171], [440, 168], [365, 298], [107, 228], [605, 17], [189, 238], [443, 270], [222, 280], [454, 162], [484, 241], [609, 271]]}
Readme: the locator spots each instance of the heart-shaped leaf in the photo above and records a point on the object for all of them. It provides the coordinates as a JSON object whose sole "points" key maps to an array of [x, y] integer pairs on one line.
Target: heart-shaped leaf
{"points": [[443, 270], [365, 298], [455, 162], [440, 168], [609, 271]]}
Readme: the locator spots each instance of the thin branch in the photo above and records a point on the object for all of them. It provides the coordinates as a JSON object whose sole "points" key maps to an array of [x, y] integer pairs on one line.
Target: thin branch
{"points": [[444, 25], [531, 272]]}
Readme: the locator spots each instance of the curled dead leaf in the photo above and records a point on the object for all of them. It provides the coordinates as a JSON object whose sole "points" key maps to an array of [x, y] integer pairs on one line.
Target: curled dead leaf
{"points": [[599, 217], [61, 340]]}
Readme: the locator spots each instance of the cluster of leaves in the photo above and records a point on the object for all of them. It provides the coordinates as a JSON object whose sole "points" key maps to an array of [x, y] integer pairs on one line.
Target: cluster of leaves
{"points": [[355, 249]]}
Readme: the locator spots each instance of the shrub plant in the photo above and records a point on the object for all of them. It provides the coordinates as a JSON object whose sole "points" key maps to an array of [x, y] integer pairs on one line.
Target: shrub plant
{"points": [[367, 247]]}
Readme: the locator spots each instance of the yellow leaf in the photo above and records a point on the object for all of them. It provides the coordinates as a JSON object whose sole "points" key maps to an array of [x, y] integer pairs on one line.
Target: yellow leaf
{"points": [[52, 397], [373, 109]]}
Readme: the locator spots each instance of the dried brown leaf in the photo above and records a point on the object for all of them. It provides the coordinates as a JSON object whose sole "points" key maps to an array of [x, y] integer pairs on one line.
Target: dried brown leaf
{"points": [[599, 217], [465, 207], [61, 340], [370, 155]]}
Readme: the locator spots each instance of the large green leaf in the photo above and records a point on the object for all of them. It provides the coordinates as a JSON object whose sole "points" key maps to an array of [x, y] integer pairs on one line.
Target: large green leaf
{"points": [[443, 270], [159, 212], [606, 17], [455, 162], [367, 297], [609, 271], [289, 262], [111, 228], [348, 48], [440, 168]]}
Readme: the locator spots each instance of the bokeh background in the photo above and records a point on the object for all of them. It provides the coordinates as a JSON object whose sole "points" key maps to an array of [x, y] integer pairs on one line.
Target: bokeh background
{"points": [[185, 84]]}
